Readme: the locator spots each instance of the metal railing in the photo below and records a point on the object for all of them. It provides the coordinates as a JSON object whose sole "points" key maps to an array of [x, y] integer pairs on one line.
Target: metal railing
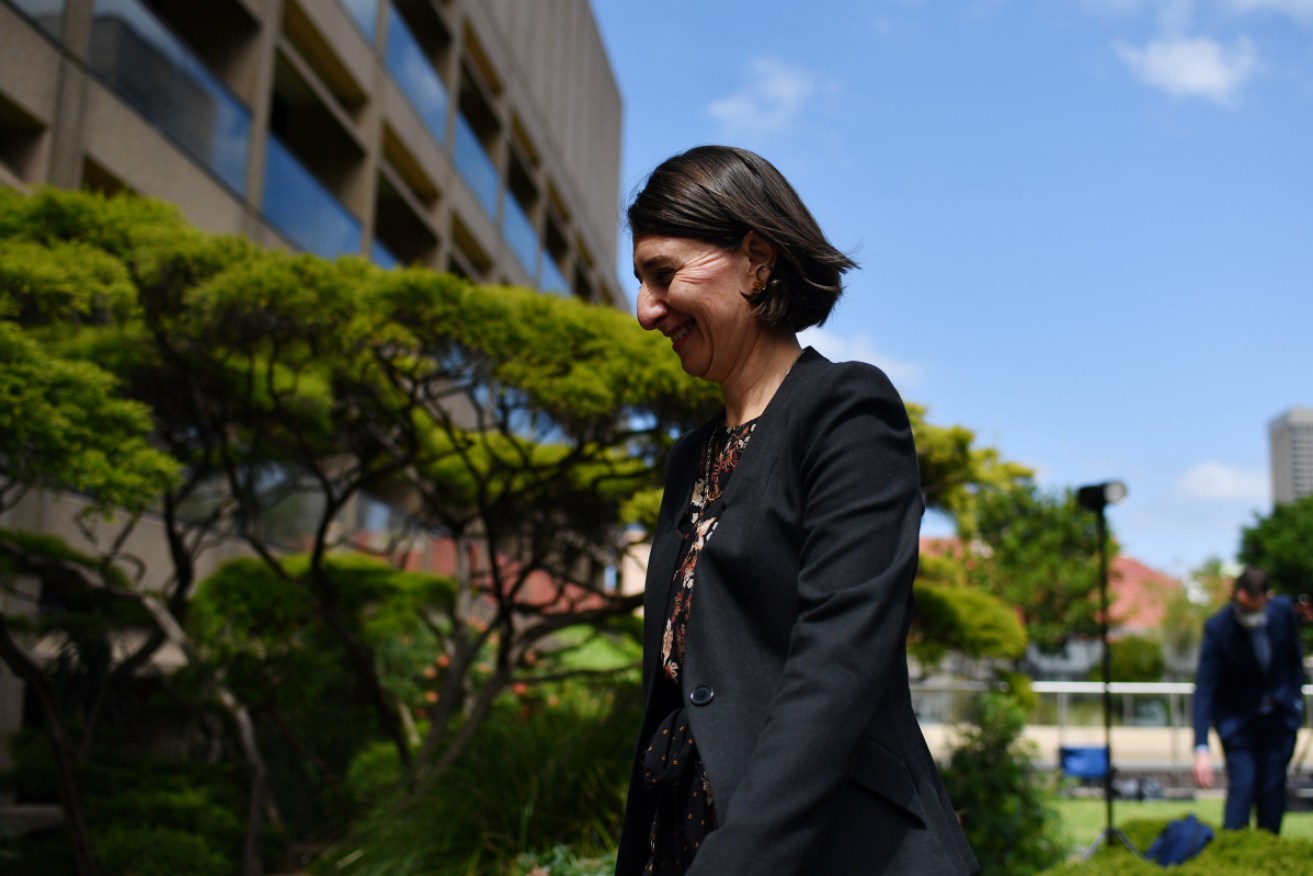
{"points": [[1152, 722]]}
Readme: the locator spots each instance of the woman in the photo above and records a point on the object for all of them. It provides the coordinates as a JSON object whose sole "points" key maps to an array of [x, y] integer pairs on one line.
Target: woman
{"points": [[778, 734]]}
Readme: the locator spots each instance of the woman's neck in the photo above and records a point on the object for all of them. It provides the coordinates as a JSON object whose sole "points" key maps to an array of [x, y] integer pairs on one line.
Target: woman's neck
{"points": [[750, 390]]}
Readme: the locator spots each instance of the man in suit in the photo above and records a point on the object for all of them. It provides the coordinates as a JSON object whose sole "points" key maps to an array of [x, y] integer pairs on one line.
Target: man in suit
{"points": [[1248, 687]]}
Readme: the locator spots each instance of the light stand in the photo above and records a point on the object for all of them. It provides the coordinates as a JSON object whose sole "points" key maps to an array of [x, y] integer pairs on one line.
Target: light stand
{"points": [[1095, 498]]}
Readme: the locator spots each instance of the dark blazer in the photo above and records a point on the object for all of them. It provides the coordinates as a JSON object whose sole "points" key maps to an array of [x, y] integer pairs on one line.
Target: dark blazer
{"points": [[795, 667], [1229, 685]]}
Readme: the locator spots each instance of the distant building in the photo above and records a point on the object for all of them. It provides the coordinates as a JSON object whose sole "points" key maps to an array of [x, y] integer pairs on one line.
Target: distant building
{"points": [[1291, 439], [480, 137]]}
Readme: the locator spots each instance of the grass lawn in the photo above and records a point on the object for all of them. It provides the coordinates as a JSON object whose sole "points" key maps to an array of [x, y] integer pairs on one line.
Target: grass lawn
{"points": [[1082, 819]]}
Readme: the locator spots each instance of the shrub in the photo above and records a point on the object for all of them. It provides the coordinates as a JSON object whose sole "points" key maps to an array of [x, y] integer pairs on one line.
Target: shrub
{"points": [[562, 861], [1134, 658], [148, 850], [1232, 853], [549, 768], [1007, 818], [147, 817]]}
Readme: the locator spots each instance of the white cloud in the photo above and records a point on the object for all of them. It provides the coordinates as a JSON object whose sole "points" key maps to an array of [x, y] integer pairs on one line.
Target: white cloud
{"points": [[1301, 10], [1193, 67], [859, 348], [768, 104], [1172, 14], [1212, 479]]}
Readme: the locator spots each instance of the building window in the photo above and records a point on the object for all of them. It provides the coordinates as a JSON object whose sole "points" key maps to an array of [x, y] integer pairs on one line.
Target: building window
{"points": [[555, 253], [553, 280], [365, 14], [300, 207], [406, 237], [22, 137], [155, 72], [416, 76], [382, 256], [475, 167], [48, 14]]}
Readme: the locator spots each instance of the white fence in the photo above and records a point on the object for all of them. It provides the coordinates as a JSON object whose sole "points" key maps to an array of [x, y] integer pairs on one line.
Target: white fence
{"points": [[1151, 731]]}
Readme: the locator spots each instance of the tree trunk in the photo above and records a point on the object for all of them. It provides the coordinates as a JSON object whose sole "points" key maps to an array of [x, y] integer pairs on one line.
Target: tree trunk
{"points": [[70, 794], [261, 806]]}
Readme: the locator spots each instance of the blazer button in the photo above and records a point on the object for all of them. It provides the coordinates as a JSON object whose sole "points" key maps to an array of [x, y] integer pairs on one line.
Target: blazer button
{"points": [[701, 695]]}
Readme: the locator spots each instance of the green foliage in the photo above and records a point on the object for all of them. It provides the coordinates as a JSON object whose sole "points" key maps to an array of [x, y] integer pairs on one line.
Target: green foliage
{"points": [[1231, 853], [562, 861], [41, 284], [149, 850], [965, 620], [147, 816], [263, 631], [1042, 558], [61, 423], [23, 550], [549, 767], [1279, 545], [1133, 658], [1183, 618], [1005, 807], [247, 605], [954, 471], [119, 225]]}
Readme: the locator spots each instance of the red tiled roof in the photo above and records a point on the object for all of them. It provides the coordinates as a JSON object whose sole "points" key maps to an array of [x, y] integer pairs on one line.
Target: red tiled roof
{"points": [[1139, 593], [940, 546]]}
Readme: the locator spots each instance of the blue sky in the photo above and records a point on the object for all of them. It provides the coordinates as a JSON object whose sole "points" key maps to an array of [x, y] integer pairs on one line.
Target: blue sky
{"points": [[1085, 226]]}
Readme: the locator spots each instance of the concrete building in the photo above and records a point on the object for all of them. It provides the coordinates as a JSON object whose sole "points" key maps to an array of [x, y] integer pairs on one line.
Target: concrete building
{"points": [[1291, 439], [480, 137], [475, 136]]}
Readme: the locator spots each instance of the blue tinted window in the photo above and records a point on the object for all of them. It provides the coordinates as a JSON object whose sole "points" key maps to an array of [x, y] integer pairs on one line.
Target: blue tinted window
{"points": [[416, 77], [382, 256], [153, 70], [553, 279], [303, 210], [49, 14], [476, 167], [364, 13], [520, 235]]}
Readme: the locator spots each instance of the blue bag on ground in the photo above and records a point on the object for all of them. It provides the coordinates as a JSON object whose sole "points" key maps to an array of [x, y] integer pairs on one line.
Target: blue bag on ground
{"points": [[1180, 841]]}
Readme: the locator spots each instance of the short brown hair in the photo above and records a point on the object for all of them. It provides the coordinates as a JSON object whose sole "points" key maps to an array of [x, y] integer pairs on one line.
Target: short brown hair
{"points": [[717, 194], [1252, 581]]}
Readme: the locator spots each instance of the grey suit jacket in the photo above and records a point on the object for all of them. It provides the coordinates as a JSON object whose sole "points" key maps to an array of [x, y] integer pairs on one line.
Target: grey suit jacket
{"points": [[795, 669]]}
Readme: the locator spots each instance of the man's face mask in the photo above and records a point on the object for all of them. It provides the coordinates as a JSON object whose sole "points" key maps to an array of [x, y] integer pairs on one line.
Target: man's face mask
{"points": [[1250, 620], [1248, 608]]}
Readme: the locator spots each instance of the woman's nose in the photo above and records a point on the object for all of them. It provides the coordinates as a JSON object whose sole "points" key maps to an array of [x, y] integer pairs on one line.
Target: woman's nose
{"points": [[650, 309]]}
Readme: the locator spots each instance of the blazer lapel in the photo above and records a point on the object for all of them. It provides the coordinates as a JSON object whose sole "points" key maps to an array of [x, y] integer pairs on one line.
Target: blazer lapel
{"points": [[665, 544], [764, 447]]}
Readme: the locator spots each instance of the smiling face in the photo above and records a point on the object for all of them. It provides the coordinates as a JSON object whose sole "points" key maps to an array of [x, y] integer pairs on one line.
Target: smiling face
{"points": [[691, 292]]}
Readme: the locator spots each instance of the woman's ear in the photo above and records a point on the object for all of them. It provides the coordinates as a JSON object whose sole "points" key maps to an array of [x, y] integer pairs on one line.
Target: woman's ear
{"points": [[759, 251]]}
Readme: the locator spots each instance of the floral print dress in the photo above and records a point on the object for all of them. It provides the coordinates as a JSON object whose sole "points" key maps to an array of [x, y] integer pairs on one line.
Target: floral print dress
{"points": [[671, 765]]}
